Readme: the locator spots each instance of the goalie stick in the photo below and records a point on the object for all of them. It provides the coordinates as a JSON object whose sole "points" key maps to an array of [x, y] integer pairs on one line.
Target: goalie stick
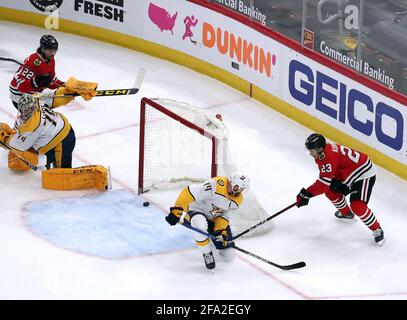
{"points": [[283, 267], [99, 93], [114, 92], [31, 166]]}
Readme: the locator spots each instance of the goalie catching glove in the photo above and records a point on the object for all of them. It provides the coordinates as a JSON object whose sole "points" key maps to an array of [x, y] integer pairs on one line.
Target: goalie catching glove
{"points": [[86, 89]]}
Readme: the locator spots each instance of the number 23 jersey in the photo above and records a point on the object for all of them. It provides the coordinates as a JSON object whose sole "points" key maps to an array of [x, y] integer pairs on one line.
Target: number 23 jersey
{"points": [[43, 131], [343, 164]]}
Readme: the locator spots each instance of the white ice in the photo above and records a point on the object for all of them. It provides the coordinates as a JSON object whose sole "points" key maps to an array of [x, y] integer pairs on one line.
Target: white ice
{"points": [[342, 260]]}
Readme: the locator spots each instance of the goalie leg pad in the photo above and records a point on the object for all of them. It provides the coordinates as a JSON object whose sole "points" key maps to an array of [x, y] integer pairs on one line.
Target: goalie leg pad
{"points": [[15, 164], [86, 177]]}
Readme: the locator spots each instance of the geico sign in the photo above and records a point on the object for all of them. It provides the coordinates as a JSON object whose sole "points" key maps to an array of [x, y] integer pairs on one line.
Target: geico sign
{"points": [[346, 105], [227, 43]]}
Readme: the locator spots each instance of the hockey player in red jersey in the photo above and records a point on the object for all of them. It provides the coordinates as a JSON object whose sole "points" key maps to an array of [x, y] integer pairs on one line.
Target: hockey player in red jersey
{"points": [[343, 171], [38, 71]]}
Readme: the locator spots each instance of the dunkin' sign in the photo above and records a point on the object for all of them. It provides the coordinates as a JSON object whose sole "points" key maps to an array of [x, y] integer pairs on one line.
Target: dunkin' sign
{"points": [[238, 48]]}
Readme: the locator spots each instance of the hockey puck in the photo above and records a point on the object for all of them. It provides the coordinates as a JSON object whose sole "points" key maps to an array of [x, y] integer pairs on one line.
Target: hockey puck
{"points": [[146, 204]]}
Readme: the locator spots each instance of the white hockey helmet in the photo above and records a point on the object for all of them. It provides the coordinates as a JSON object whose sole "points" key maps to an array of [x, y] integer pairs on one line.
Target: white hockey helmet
{"points": [[239, 181], [26, 106]]}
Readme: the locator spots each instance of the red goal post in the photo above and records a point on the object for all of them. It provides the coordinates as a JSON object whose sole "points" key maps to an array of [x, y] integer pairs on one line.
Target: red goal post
{"points": [[149, 103]]}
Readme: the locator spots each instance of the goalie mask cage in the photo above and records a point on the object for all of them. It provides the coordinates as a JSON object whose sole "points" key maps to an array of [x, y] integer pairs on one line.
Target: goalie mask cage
{"points": [[181, 144]]}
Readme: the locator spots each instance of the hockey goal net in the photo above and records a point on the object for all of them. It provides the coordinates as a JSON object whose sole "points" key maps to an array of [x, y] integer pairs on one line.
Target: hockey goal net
{"points": [[181, 144]]}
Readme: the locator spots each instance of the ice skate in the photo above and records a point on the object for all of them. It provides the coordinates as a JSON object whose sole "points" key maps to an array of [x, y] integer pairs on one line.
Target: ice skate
{"points": [[209, 260], [378, 235], [339, 215]]}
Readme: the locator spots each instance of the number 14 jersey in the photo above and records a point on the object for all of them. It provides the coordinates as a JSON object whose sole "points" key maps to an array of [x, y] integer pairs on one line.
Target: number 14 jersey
{"points": [[343, 164]]}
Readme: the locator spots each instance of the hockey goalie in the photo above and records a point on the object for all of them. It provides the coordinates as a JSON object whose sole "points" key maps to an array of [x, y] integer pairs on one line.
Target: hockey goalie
{"points": [[41, 130]]}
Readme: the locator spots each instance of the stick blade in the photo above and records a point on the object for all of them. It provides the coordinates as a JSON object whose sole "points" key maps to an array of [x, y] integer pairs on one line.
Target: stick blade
{"points": [[293, 266], [140, 77]]}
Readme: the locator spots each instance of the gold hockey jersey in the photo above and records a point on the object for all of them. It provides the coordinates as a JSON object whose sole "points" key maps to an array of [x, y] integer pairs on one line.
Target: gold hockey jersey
{"points": [[210, 198], [42, 132]]}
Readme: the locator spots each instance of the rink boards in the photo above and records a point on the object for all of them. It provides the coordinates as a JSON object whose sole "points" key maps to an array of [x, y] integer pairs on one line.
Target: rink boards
{"points": [[323, 96]]}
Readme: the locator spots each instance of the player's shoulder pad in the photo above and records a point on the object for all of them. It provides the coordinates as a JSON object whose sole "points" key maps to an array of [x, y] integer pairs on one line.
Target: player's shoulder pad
{"points": [[220, 181], [220, 186], [331, 148], [34, 61], [326, 155], [334, 147], [331, 152]]}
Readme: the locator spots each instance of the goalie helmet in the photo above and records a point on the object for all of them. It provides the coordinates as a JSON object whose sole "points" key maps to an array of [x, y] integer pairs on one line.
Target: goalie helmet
{"points": [[239, 181], [48, 42], [26, 106], [315, 141]]}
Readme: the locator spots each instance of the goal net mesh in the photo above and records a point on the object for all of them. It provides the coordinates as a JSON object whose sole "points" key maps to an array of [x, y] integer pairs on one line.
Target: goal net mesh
{"points": [[183, 144]]}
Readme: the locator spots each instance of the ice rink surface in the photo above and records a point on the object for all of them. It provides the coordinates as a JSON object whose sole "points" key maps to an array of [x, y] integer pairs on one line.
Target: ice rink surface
{"points": [[92, 245]]}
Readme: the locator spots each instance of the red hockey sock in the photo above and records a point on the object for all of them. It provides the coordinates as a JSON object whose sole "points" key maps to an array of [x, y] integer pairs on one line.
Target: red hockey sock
{"points": [[365, 214], [339, 201]]}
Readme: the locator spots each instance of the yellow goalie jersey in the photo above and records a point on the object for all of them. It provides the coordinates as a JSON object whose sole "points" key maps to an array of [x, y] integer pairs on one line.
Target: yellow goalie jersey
{"points": [[210, 198], [43, 131]]}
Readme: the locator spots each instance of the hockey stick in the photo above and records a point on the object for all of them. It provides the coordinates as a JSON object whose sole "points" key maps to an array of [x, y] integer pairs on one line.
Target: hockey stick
{"points": [[12, 60], [31, 166], [99, 93], [264, 221], [111, 92], [283, 267]]}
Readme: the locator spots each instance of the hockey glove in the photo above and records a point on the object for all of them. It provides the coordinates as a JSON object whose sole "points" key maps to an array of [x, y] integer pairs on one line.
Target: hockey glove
{"points": [[174, 215], [339, 187], [303, 198], [224, 238], [42, 80]]}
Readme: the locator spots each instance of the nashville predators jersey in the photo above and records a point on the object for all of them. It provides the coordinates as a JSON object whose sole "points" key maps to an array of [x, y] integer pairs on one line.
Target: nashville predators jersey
{"points": [[42, 131], [210, 198]]}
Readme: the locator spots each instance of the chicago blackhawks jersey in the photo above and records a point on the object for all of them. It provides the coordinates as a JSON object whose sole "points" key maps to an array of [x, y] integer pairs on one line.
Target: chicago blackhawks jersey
{"points": [[43, 131], [34, 65], [343, 164], [210, 198]]}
